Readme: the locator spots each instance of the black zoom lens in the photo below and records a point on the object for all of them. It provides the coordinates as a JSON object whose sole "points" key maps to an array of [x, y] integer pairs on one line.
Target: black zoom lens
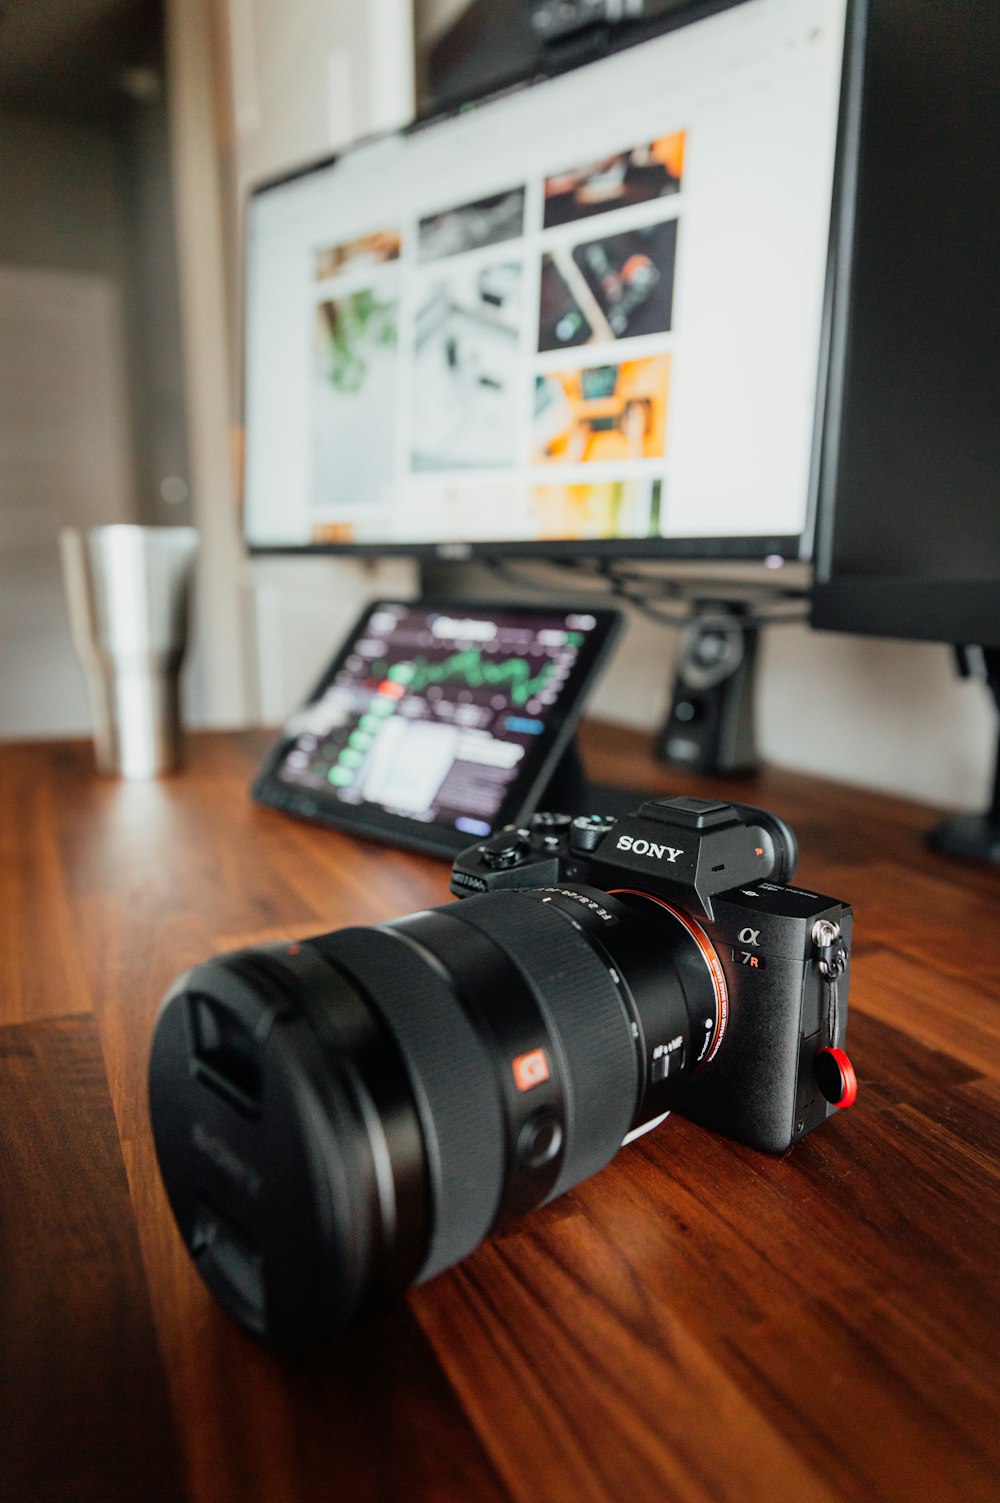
{"points": [[338, 1119]]}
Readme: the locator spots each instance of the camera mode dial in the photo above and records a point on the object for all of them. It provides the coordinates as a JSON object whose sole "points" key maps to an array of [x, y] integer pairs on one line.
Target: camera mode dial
{"points": [[588, 830]]}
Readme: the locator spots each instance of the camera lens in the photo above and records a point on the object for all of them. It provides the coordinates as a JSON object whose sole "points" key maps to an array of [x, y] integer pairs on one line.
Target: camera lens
{"points": [[340, 1118]]}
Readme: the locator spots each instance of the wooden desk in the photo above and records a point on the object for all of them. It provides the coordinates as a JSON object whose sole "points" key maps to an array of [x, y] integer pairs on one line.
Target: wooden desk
{"points": [[697, 1322]]}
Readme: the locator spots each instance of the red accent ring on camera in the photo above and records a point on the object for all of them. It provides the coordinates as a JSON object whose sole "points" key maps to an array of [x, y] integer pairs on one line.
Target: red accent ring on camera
{"points": [[715, 971]]}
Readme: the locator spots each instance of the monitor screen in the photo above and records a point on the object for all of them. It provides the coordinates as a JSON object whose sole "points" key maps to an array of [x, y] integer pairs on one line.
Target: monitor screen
{"points": [[586, 315], [438, 722]]}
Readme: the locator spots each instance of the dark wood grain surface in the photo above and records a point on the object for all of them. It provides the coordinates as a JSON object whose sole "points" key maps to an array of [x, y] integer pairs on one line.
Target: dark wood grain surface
{"points": [[697, 1322]]}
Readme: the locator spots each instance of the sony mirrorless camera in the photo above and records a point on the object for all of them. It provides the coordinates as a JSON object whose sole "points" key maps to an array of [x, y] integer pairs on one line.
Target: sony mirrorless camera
{"points": [[341, 1117]]}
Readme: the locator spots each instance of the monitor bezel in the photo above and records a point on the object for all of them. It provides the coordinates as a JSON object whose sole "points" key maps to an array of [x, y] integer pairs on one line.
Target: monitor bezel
{"points": [[754, 548]]}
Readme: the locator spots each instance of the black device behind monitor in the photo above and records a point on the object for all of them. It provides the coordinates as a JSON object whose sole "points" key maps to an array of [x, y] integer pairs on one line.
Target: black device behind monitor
{"points": [[441, 721], [909, 535]]}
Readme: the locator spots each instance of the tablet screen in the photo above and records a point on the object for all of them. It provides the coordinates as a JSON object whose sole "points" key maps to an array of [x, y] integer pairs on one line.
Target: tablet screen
{"points": [[443, 717]]}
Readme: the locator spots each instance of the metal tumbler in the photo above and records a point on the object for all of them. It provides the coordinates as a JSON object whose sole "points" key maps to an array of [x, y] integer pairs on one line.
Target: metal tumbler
{"points": [[128, 591]]}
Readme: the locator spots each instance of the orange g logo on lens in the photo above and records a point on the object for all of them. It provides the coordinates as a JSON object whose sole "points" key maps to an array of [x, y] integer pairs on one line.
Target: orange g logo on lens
{"points": [[531, 1069]]}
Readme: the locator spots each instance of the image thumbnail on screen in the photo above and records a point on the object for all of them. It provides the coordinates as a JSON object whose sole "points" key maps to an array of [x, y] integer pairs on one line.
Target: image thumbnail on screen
{"points": [[622, 178], [604, 413], [619, 287]]}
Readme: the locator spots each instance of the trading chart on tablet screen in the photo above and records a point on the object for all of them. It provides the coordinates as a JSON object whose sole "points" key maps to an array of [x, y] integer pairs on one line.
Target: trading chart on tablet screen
{"points": [[431, 715]]}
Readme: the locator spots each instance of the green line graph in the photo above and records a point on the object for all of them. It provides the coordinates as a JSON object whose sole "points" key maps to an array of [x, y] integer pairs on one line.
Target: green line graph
{"points": [[476, 672]]}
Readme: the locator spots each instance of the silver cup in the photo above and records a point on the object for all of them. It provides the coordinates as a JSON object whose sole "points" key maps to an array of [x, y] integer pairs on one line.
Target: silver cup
{"points": [[128, 591]]}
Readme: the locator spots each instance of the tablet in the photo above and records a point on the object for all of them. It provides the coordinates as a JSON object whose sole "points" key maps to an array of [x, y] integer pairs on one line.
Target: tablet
{"points": [[438, 721]]}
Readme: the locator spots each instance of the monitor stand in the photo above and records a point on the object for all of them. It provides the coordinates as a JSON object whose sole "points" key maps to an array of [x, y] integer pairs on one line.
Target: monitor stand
{"points": [[976, 835], [569, 792]]}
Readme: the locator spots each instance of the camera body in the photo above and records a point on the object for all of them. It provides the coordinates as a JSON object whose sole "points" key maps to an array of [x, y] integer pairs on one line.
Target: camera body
{"points": [[778, 955], [344, 1116]]}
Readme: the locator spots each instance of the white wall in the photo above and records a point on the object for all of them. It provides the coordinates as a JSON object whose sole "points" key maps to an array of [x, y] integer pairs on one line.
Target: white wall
{"points": [[892, 716], [196, 107], [156, 377], [888, 715], [435, 16], [59, 206], [306, 76], [65, 451]]}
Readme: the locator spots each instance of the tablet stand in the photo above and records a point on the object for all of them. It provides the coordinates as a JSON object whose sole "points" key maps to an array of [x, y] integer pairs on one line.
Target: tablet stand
{"points": [[569, 792]]}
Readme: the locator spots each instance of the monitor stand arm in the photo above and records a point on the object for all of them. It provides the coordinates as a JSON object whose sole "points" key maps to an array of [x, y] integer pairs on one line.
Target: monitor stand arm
{"points": [[976, 835]]}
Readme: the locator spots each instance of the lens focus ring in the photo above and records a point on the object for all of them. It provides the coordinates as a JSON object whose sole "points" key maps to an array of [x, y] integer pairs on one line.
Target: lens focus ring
{"points": [[453, 1081], [585, 1015]]}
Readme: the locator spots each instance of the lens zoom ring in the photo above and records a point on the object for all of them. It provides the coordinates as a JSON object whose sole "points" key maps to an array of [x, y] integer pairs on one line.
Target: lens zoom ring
{"points": [[453, 1080], [584, 1012]]}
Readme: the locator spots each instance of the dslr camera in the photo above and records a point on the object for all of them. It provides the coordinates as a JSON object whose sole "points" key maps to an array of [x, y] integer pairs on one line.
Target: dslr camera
{"points": [[339, 1118]]}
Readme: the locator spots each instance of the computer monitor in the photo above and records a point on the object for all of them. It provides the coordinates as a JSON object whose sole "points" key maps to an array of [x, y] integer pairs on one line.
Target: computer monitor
{"points": [[586, 317], [909, 538], [909, 534]]}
